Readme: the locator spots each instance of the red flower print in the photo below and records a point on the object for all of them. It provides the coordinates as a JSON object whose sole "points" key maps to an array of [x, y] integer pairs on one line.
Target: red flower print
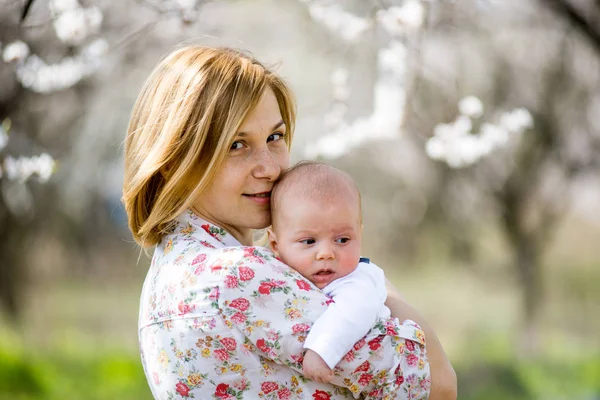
{"points": [[238, 318], [375, 343], [182, 389], [214, 268], [200, 258], [231, 281], [399, 379], [302, 284], [199, 269], [268, 387], [184, 308], [262, 345], [229, 343], [214, 293], [329, 301], [221, 390], [321, 395], [249, 252], [240, 303], [410, 345], [364, 367], [365, 379], [391, 330], [265, 288], [376, 394], [246, 273], [411, 360], [300, 328], [284, 394], [349, 357], [207, 227], [358, 345], [221, 354], [241, 384]]}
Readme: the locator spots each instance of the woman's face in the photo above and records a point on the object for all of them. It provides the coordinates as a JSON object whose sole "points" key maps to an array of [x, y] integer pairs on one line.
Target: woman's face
{"points": [[238, 198]]}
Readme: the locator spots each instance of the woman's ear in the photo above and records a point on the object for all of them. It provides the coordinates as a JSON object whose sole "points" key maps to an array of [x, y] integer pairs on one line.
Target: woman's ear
{"points": [[273, 241]]}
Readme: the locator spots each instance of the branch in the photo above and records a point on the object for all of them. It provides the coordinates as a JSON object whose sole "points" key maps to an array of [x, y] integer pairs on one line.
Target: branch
{"points": [[566, 10], [26, 9]]}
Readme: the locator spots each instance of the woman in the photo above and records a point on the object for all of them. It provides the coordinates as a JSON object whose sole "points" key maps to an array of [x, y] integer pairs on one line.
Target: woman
{"points": [[209, 135]]}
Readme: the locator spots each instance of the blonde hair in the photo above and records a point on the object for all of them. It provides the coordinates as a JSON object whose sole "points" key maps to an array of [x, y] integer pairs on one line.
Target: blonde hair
{"points": [[182, 125]]}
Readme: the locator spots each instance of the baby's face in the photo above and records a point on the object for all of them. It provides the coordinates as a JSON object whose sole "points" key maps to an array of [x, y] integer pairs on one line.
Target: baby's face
{"points": [[319, 240]]}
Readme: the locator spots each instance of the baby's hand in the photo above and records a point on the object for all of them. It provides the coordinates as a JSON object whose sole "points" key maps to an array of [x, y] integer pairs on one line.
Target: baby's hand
{"points": [[315, 368]]}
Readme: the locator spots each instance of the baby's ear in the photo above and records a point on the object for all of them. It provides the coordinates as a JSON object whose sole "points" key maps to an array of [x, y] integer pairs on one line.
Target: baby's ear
{"points": [[272, 241]]}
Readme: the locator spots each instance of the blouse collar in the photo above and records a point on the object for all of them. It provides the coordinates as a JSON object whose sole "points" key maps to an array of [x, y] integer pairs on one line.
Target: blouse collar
{"points": [[204, 227]]}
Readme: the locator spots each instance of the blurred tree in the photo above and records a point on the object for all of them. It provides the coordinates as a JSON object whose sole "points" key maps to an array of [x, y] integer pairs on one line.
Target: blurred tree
{"points": [[512, 55], [50, 51]]}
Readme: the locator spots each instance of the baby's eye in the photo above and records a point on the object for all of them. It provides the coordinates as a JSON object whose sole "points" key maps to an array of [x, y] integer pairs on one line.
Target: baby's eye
{"points": [[342, 240], [275, 136], [236, 145], [308, 241]]}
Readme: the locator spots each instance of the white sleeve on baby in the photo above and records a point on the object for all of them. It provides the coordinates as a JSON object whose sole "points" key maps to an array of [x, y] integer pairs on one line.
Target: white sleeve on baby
{"points": [[358, 303]]}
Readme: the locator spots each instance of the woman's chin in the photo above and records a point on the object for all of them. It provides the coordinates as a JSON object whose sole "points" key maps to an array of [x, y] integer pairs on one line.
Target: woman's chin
{"points": [[262, 221]]}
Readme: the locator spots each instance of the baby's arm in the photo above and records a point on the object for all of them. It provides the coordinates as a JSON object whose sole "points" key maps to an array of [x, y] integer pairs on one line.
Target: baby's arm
{"points": [[357, 302]]}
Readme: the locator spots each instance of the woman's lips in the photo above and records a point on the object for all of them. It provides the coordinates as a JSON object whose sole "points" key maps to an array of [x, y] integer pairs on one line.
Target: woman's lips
{"points": [[260, 198]]}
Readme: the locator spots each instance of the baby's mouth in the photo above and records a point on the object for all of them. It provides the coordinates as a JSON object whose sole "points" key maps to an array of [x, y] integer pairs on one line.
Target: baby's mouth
{"points": [[324, 272]]}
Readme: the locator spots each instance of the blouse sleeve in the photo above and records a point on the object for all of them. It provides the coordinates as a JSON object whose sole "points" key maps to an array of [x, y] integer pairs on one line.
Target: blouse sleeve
{"points": [[274, 307], [344, 322]]}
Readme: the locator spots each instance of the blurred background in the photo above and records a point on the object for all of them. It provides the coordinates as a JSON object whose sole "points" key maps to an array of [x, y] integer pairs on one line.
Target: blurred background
{"points": [[472, 128]]}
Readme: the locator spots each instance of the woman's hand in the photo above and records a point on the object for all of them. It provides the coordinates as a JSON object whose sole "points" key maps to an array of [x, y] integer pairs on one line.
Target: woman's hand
{"points": [[443, 377]]}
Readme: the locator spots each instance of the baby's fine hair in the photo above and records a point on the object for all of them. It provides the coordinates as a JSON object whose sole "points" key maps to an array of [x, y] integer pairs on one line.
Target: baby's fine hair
{"points": [[312, 180]]}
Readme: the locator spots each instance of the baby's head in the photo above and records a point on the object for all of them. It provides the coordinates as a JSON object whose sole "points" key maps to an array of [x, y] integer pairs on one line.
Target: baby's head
{"points": [[316, 222]]}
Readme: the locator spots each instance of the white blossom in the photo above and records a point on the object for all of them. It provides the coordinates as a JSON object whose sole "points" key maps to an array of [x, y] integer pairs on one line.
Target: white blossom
{"points": [[15, 51], [185, 4], [22, 168], [348, 26], [40, 77], [384, 122], [3, 138], [471, 106], [393, 58], [397, 20], [75, 25], [455, 144], [340, 76], [496, 135], [517, 120]]}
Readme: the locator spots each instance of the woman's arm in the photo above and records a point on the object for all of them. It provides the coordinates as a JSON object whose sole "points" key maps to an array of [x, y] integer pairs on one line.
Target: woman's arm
{"points": [[443, 377], [274, 307]]}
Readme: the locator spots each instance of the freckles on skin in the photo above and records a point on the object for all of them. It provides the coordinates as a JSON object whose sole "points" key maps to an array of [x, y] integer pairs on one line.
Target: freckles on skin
{"points": [[235, 200]]}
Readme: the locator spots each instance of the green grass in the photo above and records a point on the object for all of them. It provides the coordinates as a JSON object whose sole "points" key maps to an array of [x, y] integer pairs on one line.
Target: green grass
{"points": [[69, 372], [489, 371]]}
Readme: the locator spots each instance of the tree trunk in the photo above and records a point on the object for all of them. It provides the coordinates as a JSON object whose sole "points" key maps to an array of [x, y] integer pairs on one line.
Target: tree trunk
{"points": [[526, 252]]}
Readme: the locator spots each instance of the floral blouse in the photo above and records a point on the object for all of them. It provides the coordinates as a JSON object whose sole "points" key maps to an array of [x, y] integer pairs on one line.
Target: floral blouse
{"points": [[222, 321]]}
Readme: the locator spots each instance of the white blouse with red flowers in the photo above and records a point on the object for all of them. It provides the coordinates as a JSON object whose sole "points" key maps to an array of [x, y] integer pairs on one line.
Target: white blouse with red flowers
{"points": [[223, 321]]}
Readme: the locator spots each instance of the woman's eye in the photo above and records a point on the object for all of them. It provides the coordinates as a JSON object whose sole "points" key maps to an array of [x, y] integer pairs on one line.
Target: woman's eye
{"points": [[342, 240], [236, 146], [275, 136], [308, 241]]}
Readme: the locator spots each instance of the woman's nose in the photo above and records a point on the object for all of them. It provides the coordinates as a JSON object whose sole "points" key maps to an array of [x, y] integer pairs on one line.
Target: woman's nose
{"points": [[267, 166]]}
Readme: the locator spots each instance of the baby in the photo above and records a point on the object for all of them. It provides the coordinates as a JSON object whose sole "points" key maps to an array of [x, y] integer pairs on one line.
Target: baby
{"points": [[316, 229]]}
